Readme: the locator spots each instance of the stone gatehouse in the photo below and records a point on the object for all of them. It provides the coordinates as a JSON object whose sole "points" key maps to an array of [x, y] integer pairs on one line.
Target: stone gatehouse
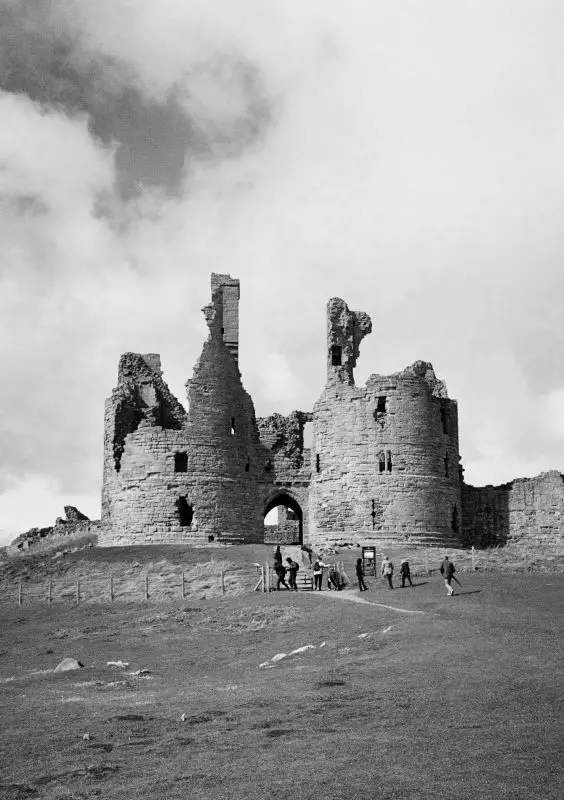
{"points": [[384, 463]]}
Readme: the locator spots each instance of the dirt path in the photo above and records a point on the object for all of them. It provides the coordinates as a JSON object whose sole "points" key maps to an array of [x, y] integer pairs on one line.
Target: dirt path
{"points": [[352, 596]]}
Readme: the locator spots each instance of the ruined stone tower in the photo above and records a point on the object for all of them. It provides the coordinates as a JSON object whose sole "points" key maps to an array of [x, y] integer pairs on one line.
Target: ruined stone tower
{"points": [[383, 466], [385, 454]]}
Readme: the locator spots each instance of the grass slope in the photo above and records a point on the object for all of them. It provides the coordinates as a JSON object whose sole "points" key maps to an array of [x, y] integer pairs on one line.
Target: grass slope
{"points": [[462, 701]]}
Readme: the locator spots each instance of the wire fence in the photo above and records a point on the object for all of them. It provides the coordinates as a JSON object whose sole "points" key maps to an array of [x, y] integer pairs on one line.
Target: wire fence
{"points": [[147, 587]]}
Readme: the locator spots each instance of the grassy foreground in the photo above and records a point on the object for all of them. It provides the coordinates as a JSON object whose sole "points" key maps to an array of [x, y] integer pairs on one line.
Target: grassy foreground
{"points": [[462, 701]]}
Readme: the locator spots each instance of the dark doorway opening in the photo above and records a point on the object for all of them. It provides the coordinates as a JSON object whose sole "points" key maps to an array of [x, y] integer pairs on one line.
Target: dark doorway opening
{"points": [[185, 511]]}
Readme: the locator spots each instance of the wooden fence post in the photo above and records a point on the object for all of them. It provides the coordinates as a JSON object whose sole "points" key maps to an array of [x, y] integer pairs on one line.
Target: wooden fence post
{"points": [[20, 593], [147, 586], [266, 577], [111, 589], [49, 592], [222, 582], [473, 556]]}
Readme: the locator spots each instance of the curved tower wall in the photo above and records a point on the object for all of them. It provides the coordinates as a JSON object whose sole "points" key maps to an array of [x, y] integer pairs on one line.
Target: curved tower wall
{"points": [[385, 456]]}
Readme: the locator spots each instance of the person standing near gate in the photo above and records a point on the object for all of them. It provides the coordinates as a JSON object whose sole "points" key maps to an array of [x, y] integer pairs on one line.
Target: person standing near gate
{"points": [[388, 571], [318, 567], [293, 568]]}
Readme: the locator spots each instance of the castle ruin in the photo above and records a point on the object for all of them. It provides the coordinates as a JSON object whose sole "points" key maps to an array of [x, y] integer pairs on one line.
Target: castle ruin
{"points": [[384, 465]]}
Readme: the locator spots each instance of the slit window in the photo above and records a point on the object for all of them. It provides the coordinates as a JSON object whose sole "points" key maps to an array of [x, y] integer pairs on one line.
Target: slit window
{"points": [[446, 465], [185, 511], [389, 460], [444, 420], [181, 462], [336, 355], [381, 407], [247, 466], [382, 461], [232, 426], [317, 463]]}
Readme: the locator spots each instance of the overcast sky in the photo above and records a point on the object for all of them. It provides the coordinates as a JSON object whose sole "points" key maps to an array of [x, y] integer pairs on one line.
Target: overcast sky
{"points": [[407, 156]]}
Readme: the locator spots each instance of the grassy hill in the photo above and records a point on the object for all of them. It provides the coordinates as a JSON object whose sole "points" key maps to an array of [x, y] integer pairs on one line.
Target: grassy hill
{"points": [[462, 700]]}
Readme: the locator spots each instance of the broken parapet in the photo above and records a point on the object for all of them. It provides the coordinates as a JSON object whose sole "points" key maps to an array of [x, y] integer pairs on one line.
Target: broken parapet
{"points": [[140, 398], [76, 524], [345, 331]]}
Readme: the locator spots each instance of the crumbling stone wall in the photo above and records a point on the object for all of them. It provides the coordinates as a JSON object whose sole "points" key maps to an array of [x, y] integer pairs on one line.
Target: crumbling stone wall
{"points": [[385, 461], [384, 465], [74, 525], [528, 510]]}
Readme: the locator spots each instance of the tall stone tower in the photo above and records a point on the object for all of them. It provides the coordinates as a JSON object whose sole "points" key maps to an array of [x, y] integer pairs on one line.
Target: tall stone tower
{"points": [[226, 293], [385, 456]]}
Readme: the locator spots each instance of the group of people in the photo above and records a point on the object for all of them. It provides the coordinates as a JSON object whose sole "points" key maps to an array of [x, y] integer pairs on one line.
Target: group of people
{"points": [[281, 571], [335, 580], [447, 570], [387, 571]]}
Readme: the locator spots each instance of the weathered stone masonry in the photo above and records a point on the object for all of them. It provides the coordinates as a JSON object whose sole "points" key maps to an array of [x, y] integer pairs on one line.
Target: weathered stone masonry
{"points": [[384, 464]]}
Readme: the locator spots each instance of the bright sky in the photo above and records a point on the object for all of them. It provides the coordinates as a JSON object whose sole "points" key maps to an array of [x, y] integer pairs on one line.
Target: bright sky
{"points": [[406, 156]]}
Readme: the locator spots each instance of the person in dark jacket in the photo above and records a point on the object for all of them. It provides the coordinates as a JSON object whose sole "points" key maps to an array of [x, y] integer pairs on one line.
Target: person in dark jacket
{"points": [[360, 575], [280, 571], [447, 571], [293, 568], [405, 573]]}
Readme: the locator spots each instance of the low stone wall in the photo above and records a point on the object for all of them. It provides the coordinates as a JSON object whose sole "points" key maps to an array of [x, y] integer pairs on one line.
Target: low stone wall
{"points": [[286, 533]]}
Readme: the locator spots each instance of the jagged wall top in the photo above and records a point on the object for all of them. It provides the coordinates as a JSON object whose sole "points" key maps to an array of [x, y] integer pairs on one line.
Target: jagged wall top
{"points": [[345, 331]]}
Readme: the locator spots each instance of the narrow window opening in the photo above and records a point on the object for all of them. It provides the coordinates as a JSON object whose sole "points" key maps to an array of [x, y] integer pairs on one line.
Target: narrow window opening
{"points": [[455, 524], [223, 330], [389, 460], [232, 426], [181, 462], [336, 355], [373, 513], [446, 465], [382, 461], [444, 420], [185, 511], [247, 466], [317, 463], [381, 407], [268, 466]]}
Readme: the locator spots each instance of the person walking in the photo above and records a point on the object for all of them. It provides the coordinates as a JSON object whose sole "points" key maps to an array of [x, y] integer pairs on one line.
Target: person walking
{"points": [[388, 571], [318, 568], [293, 568], [360, 576], [280, 571], [405, 573], [447, 571]]}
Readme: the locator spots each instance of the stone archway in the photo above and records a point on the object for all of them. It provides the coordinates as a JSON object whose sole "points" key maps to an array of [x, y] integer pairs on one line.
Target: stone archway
{"points": [[290, 528]]}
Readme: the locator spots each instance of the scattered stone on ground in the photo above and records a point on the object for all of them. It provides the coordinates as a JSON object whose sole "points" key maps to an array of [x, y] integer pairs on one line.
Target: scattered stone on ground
{"points": [[67, 664]]}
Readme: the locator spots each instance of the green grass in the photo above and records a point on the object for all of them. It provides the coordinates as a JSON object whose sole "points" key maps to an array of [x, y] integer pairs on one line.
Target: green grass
{"points": [[462, 701]]}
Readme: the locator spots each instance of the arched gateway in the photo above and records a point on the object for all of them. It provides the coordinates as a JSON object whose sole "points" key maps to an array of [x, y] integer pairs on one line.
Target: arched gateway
{"points": [[289, 528]]}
